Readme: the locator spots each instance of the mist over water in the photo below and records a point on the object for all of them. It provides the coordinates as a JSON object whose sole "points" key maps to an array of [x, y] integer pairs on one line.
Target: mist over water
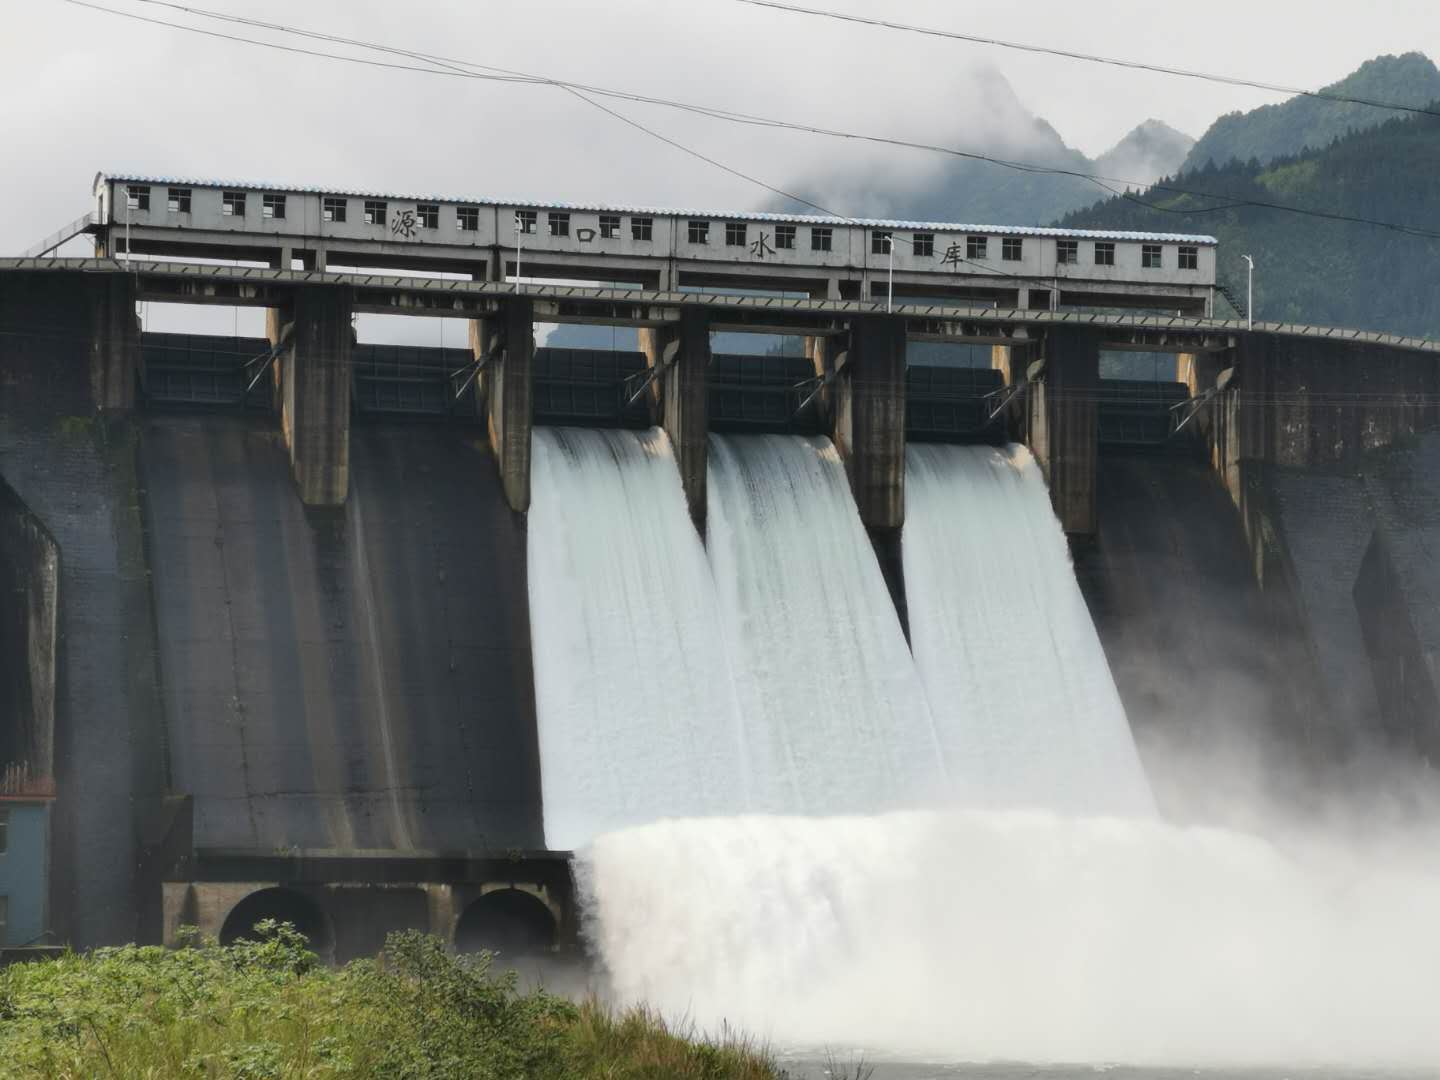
{"points": [[1013, 669], [955, 936]]}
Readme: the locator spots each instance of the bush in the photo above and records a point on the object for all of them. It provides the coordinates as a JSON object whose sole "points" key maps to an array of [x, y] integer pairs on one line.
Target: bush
{"points": [[265, 1009]]}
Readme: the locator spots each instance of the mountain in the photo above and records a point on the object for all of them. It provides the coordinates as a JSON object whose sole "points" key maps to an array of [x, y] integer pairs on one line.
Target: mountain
{"points": [[990, 120], [1311, 269], [1274, 131], [1152, 150]]}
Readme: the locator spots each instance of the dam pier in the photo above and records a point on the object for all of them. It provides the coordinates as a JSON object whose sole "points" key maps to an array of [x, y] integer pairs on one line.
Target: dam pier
{"points": [[269, 634]]}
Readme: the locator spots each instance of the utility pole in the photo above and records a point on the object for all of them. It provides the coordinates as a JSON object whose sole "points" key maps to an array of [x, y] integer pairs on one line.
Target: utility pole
{"points": [[1249, 292]]}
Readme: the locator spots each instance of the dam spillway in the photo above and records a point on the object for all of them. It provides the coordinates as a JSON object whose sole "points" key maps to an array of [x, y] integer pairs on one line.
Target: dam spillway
{"points": [[777, 676], [1012, 666], [835, 717], [635, 704]]}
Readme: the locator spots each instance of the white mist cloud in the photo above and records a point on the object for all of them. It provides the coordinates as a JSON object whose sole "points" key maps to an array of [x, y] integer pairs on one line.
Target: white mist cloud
{"points": [[956, 936]]}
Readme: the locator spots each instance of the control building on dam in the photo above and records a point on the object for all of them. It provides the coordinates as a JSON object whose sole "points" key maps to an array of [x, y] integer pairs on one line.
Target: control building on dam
{"points": [[266, 646]]}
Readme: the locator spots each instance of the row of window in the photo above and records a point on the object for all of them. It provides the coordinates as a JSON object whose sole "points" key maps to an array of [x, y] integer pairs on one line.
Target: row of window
{"points": [[467, 219], [1152, 256]]}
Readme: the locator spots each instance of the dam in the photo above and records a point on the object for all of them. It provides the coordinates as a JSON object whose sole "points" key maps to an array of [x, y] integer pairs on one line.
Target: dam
{"points": [[371, 636]]}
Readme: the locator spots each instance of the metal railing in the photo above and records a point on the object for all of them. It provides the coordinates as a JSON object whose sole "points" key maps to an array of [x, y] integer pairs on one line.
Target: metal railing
{"points": [[54, 240], [719, 302]]}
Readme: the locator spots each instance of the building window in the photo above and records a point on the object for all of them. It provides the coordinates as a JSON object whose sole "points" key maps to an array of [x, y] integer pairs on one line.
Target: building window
{"points": [[1104, 253], [1189, 258], [1067, 251], [467, 218], [137, 196], [232, 203], [1012, 249], [976, 246], [784, 237], [429, 215], [178, 201], [1152, 256], [924, 244], [559, 224], [821, 238], [273, 206], [525, 221], [880, 241], [609, 226], [642, 228], [699, 232], [375, 212], [734, 234], [333, 208]]}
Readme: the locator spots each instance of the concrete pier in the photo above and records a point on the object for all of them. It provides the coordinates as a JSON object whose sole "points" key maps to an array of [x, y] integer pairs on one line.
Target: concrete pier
{"points": [[867, 412], [1060, 423], [313, 373], [682, 354], [507, 345]]}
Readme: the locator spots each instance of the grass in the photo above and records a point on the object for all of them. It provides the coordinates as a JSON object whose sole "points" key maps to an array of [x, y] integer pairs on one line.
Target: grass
{"points": [[266, 1010]]}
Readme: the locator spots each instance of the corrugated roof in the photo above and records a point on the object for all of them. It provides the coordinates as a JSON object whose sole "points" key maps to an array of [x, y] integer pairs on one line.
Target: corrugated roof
{"points": [[734, 215]]}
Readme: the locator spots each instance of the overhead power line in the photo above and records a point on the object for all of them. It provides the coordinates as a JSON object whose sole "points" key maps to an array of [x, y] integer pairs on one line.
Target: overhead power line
{"points": [[1091, 58], [431, 64]]}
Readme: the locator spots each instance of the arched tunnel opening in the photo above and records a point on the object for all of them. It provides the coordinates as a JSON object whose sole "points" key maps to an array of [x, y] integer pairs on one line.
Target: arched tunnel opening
{"points": [[509, 922], [282, 905]]}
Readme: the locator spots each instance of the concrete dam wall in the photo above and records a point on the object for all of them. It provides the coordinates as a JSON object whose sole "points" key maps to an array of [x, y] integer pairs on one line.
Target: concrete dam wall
{"points": [[353, 679], [326, 710]]}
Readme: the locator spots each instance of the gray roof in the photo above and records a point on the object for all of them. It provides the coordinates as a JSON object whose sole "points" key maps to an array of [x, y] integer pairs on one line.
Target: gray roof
{"points": [[734, 215]]}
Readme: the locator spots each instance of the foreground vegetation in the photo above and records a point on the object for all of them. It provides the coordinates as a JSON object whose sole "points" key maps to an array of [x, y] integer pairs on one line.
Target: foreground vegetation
{"points": [[266, 1009]]}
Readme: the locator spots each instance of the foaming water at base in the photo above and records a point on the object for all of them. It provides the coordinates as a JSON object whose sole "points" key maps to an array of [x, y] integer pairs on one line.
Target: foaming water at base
{"points": [[955, 936]]}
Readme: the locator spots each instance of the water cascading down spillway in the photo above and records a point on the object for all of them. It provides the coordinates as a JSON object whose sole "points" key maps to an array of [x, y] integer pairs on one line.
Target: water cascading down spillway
{"points": [[767, 671], [1023, 698], [634, 698]]}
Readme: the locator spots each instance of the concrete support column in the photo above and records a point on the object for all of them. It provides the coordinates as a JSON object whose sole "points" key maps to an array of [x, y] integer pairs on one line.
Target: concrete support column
{"points": [[682, 353], [115, 343], [507, 393], [868, 418], [1061, 423], [314, 389]]}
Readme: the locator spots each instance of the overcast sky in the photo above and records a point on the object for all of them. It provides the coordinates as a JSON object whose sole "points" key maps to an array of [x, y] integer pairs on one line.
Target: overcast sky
{"points": [[84, 91]]}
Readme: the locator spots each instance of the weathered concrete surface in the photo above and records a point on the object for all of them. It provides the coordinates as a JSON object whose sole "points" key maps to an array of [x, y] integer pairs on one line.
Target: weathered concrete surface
{"points": [[1061, 425], [1325, 523], [75, 471], [1203, 657], [682, 398], [342, 678], [867, 406], [29, 623], [314, 389], [1397, 592], [507, 397]]}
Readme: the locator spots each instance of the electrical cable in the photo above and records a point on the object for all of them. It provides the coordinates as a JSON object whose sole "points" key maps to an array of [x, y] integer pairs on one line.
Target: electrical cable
{"points": [[456, 68], [1134, 65]]}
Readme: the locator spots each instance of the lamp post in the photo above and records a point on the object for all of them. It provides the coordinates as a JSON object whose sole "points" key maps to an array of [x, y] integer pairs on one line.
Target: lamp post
{"points": [[890, 286], [518, 231], [1249, 292]]}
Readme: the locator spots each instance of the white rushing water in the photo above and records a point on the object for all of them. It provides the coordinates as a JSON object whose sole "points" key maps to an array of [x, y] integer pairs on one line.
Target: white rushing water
{"points": [[1023, 936], [634, 699], [834, 715], [1023, 698]]}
